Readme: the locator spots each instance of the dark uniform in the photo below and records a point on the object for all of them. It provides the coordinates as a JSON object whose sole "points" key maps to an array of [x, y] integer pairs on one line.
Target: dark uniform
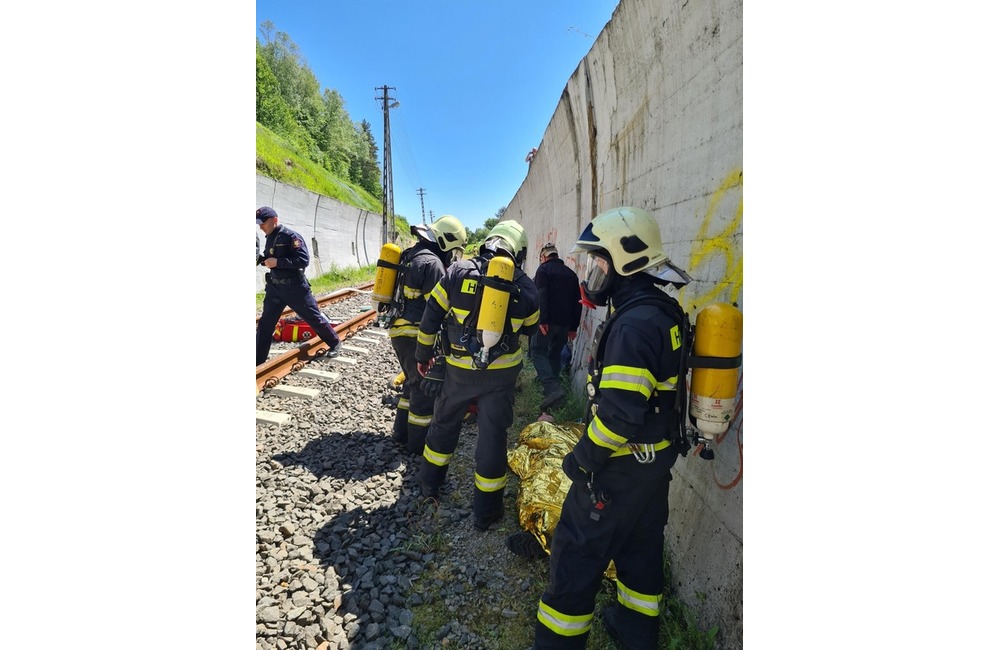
{"points": [[622, 513], [454, 301], [414, 410], [559, 308], [287, 286]]}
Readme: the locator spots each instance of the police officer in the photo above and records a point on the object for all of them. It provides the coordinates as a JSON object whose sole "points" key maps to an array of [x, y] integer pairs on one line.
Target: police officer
{"points": [[438, 245], [286, 255], [489, 380], [616, 508], [559, 311]]}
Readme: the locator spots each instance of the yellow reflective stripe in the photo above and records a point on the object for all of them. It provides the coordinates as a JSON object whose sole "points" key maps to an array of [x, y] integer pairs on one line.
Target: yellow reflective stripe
{"points": [[636, 380], [490, 484], [669, 384], [506, 360], [533, 318], [440, 296], [501, 362], [460, 315], [643, 603], [460, 362], [435, 458], [564, 624], [602, 436], [407, 329], [419, 420], [424, 338], [403, 404], [411, 294], [625, 451]]}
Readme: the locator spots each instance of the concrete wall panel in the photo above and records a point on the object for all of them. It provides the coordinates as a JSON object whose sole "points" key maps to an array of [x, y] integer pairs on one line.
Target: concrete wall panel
{"points": [[652, 117], [338, 234]]}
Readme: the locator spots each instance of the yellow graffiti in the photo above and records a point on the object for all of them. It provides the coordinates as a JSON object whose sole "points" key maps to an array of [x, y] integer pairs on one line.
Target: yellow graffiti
{"points": [[726, 243]]}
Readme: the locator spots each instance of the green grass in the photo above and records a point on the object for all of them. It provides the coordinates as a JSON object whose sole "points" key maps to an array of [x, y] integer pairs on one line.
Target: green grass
{"points": [[278, 159], [336, 278], [678, 622]]}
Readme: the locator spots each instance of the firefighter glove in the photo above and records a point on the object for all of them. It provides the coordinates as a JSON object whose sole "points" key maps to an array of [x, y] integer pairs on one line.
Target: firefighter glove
{"points": [[434, 378], [573, 470]]}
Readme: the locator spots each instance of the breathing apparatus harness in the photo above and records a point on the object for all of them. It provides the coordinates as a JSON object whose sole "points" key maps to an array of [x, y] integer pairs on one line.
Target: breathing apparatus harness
{"points": [[469, 338], [676, 433], [679, 432]]}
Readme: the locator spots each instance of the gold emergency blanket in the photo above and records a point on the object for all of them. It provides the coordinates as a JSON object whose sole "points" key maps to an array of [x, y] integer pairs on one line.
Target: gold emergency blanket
{"points": [[537, 460]]}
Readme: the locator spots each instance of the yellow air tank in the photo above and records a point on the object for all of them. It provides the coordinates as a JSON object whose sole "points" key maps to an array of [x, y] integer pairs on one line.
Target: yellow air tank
{"points": [[719, 334], [493, 308], [385, 276]]}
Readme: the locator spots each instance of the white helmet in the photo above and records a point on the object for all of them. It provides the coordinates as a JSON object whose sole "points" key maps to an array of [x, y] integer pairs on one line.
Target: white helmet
{"points": [[509, 237], [632, 239], [448, 232], [623, 242]]}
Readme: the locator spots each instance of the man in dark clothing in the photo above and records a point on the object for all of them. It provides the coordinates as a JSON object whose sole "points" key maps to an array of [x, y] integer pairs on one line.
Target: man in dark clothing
{"points": [[559, 312], [616, 508], [477, 370], [424, 264], [287, 257]]}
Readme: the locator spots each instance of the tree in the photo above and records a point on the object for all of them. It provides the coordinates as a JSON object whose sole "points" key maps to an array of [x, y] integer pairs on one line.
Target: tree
{"points": [[289, 102], [272, 110]]}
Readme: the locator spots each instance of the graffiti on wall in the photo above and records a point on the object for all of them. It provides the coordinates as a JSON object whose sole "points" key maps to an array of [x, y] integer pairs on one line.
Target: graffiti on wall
{"points": [[719, 239]]}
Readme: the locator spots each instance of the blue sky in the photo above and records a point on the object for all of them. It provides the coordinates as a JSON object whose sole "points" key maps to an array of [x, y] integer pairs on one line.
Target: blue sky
{"points": [[477, 84]]}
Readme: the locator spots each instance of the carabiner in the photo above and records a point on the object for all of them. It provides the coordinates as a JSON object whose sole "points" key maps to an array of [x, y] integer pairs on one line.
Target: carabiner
{"points": [[644, 453]]}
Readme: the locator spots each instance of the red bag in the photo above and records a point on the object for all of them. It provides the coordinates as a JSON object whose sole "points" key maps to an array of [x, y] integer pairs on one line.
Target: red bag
{"points": [[291, 330]]}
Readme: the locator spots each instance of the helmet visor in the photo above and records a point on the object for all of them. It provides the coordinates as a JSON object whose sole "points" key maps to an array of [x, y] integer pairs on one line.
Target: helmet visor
{"points": [[496, 244], [597, 275]]}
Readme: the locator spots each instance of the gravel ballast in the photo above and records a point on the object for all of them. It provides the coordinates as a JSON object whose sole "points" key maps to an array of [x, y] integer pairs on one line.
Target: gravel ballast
{"points": [[349, 554]]}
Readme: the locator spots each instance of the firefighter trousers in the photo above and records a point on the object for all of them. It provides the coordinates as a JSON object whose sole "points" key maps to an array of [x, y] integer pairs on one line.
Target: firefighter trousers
{"points": [[299, 297], [495, 415], [628, 529], [415, 408]]}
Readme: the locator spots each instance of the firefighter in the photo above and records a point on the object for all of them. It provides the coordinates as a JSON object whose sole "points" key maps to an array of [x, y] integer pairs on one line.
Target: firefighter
{"points": [[616, 508], [424, 264], [482, 366]]}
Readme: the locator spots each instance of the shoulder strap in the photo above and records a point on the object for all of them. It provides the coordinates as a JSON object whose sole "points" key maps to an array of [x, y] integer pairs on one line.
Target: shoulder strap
{"points": [[673, 309]]}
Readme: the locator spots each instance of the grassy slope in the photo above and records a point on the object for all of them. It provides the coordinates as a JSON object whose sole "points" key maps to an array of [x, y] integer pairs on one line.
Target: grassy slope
{"points": [[277, 159]]}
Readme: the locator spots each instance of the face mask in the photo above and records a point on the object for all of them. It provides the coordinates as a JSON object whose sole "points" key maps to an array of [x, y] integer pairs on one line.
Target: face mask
{"points": [[598, 278]]}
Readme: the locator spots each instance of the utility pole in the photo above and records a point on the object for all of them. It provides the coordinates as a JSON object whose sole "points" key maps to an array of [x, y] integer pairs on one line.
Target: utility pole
{"points": [[388, 210], [422, 216], [431, 212]]}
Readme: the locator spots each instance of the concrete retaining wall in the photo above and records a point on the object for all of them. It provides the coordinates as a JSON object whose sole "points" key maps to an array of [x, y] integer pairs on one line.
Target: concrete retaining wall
{"points": [[337, 233], [652, 117]]}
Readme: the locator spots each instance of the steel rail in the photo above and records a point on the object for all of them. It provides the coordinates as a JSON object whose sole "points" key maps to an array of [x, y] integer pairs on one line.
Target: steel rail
{"points": [[330, 298], [273, 370]]}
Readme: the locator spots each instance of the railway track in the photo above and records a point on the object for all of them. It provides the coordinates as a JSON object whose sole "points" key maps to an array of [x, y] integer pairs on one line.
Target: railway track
{"points": [[271, 372]]}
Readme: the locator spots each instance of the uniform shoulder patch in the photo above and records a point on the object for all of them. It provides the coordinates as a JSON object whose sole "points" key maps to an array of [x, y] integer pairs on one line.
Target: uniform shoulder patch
{"points": [[296, 243]]}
